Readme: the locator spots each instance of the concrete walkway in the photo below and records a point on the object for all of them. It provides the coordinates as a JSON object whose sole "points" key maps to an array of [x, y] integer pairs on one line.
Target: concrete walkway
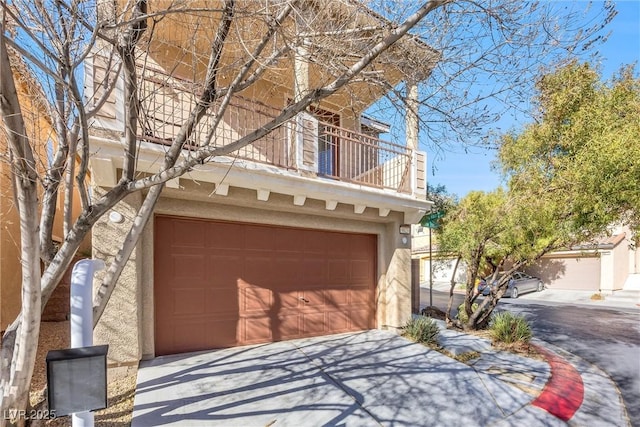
{"points": [[373, 378]]}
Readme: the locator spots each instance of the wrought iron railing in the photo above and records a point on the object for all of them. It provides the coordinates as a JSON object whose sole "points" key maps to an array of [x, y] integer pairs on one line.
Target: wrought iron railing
{"points": [[332, 152]]}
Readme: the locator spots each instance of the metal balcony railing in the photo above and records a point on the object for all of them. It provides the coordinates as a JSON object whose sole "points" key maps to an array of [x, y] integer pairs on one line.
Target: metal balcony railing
{"points": [[303, 143]]}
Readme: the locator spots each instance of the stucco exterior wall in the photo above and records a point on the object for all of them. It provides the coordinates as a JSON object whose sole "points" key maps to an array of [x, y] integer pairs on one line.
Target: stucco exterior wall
{"points": [[621, 265], [120, 324], [10, 274], [127, 324]]}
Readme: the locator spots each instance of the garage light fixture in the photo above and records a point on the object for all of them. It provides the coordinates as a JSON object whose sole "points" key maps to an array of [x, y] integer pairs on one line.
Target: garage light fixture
{"points": [[116, 217]]}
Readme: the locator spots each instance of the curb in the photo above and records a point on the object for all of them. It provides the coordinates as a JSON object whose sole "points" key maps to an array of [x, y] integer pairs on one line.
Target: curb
{"points": [[563, 394], [578, 392]]}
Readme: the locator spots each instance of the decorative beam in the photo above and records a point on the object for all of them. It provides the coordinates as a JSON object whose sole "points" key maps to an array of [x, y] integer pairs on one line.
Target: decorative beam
{"points": [[263, 195], [331, 205], [359, 208], [299, 200], [173, 183], [222, 189]]}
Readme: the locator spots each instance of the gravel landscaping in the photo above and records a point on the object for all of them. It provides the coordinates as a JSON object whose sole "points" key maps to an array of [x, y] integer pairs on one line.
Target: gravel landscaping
{"points": [[120, 391]]}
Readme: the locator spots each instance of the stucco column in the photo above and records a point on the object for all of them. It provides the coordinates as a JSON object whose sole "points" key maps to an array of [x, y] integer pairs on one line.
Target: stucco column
{"points": [[300, 73], [412, 127], [119, 325], [411, 115], [606, 272], [395, 288]]}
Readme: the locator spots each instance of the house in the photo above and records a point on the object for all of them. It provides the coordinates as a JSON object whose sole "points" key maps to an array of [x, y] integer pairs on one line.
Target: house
{"points": [[609, 264], [40, 130], [295, 235]]}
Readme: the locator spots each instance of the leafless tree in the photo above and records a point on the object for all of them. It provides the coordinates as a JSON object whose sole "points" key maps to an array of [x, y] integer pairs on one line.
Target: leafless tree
{"points": [[353, 45]]}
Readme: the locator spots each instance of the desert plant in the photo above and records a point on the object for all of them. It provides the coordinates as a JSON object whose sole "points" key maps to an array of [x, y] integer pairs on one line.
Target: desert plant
{"points": [[422, 329], [509, 328]]}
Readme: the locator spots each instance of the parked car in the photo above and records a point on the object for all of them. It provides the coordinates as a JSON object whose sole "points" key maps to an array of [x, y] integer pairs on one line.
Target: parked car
{"points": [[519, 283]]}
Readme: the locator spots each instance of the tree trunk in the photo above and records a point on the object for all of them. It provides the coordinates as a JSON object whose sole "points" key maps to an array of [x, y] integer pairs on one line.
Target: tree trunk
{"points": [[453, 284], [19, 351]]}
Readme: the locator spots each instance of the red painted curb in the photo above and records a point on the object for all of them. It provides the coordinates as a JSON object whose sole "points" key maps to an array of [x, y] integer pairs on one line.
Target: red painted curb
{"points": [[564, 392]]}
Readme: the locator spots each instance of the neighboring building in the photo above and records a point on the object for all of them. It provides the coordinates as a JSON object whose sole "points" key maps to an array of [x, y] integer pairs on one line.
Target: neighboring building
{"points": [[608, 265], [443, 265], [605, 266], [40, 131], [299, 235]]}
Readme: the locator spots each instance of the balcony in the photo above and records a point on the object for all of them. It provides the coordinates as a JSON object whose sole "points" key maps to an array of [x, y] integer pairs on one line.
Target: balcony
{"points": [[304, 144]]}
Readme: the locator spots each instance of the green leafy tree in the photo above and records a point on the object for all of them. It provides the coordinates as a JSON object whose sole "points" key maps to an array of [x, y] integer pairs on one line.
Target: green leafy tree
{"points": [[571, 174], [582, 152]]}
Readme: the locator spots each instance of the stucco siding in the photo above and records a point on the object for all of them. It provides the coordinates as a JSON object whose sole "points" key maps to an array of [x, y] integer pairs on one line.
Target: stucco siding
{"points": [[120, 324], [620, 264]]}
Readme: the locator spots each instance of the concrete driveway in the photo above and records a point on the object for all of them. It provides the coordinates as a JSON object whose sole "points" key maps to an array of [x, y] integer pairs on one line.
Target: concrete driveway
{"points": [[358, 379]]}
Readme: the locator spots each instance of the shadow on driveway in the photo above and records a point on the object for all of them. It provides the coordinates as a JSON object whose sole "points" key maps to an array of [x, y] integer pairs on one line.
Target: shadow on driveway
{"points": [[369, 378]]}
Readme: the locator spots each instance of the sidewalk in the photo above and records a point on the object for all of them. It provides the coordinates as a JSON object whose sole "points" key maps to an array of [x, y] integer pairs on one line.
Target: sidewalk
{"points": [[562, 390], [626, 299]]}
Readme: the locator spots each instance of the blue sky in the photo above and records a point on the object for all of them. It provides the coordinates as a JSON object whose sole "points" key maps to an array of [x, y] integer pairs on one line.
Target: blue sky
{"points": [[462, 172]]}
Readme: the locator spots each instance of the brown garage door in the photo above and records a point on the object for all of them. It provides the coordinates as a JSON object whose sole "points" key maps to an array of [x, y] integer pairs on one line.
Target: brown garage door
{"points": [[221, 284]]}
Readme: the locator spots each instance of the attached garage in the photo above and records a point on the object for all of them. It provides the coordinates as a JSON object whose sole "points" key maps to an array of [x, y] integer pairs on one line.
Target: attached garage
{"points": [[578, 272], [222, 284]]}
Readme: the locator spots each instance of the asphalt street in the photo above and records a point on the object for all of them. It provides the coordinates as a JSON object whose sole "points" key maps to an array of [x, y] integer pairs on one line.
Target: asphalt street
{"points": [[607, 337]]}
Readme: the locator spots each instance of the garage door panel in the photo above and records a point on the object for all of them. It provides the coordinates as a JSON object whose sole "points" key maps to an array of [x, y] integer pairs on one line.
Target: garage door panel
{"points": [[314, 242], [222, 332], [187, 234], [287, 327], [221, 301], [189, 301], [186, 267], [287, 269], [230, 237], [338, 271], [288, 240], [360, 271], [259, 238], [286, 300], [360, 246], [190, 335], [338, 321], [256, 329], [313, 298], [314, 271], [255, 299], [340, 244], [262, 270], [336, 297], [313, 324], [360, 319], [247, 283], [360, 295]]}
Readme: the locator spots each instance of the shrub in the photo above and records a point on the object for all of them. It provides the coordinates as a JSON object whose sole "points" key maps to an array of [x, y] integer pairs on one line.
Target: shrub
{"points": [[509, 328], [462, 315], [422, 329]]}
